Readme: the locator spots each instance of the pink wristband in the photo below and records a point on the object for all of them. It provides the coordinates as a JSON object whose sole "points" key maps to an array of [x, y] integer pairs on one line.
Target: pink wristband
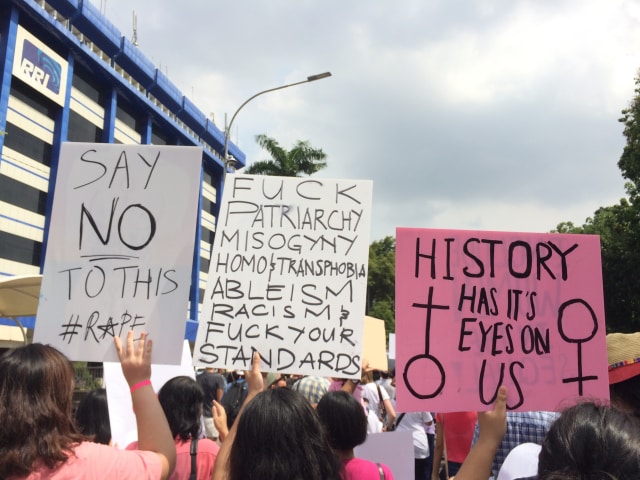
{"points": [[141, 384]]}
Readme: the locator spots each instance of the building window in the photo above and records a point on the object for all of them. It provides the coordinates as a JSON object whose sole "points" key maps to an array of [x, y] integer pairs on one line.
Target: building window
{"points": [[29, 97], [126, 115], [158, 137], [204, 265], [20, 249], [208, 178], [22, 195], [208, 206], [89, 88], [206, 235], [82, 130], [29, 145]]}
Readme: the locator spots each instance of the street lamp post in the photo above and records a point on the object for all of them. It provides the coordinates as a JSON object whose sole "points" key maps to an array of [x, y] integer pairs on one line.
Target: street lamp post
{"points": [[229, 161]]}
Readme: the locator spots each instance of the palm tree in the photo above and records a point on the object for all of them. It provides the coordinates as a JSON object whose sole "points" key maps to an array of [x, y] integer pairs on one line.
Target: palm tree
{"points": [[301, 159]]}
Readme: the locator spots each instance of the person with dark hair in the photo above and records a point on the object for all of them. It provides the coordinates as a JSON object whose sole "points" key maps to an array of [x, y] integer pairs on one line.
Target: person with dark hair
{"points": [[92, 416], [181, 399], [276, 436], [591, 441], [213, 385], [345, 422], [38, 437], [623, 355]]}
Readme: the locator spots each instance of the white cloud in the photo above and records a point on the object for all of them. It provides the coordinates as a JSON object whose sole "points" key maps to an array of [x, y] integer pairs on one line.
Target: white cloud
{"points": [[482, 114]]}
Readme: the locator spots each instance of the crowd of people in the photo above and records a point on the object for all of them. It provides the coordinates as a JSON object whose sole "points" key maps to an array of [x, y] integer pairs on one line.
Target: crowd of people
{"points": [[299, 427]]}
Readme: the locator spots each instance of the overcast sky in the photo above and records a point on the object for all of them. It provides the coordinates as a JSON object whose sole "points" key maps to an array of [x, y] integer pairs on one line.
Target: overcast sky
{"points": [[466, 114]]}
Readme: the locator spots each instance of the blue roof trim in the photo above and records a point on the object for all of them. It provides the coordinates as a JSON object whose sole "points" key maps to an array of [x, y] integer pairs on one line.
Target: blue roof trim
{"points": [[192, 116], [97, 28], [214, 135], [165, 91], [65, 7], [135, 63], [160, 87]]}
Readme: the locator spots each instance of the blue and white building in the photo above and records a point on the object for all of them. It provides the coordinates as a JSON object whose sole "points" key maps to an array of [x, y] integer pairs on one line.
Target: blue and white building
{"points": [[67, 74]]}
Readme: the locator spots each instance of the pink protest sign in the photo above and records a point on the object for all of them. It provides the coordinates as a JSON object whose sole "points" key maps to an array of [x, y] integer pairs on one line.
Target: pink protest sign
{"points": [[475, 310]]}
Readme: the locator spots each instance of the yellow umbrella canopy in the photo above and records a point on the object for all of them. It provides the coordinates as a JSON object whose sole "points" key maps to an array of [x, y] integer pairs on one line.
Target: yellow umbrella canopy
{"points": [[19, 295]]}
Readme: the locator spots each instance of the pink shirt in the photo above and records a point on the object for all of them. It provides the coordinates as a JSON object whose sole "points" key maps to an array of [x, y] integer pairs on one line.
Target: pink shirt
{"points": [[96, 461], [206, 457], [361, 469]]}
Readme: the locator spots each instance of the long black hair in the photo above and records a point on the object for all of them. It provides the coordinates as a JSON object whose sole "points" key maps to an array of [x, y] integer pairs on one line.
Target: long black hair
{"points": [[591, 441], [279, 437], [181, 399], [344, 420], [92, 416]]}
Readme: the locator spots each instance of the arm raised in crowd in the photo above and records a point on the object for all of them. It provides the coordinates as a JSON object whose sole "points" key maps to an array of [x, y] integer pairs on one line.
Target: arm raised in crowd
{"points": [[154, 433], [255, 384], [493, 426]]}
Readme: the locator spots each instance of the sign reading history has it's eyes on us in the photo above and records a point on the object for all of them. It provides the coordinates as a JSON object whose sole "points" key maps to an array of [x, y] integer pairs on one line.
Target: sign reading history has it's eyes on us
{"points": [[475, 310]]}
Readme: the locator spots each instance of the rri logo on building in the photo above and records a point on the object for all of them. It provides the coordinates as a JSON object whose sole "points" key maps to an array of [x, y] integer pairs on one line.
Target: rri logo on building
{"points": [[40, 68]]}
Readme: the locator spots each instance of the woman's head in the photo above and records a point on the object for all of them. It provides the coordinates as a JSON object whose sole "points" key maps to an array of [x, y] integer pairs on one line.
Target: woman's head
{"points": [[367, 377], [39, 373], [36, 391], [284, 438], [590, 441], [181, 399], [92, 416], [344, 420]]}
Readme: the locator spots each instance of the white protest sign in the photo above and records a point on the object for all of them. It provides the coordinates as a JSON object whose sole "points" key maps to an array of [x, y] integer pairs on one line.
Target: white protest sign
{"points": [[122, 419], [394, 449], [120, 249], [392, 346], [288, 276]]}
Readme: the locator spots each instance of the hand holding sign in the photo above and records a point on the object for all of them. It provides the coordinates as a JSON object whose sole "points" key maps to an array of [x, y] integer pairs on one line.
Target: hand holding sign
{"points": [[288, 276], [120, 248]]}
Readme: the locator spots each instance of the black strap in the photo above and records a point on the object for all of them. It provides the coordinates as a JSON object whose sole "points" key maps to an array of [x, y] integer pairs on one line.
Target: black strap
{"points": [[194, 454], [383, 410], [380, 471], [398, 420]]}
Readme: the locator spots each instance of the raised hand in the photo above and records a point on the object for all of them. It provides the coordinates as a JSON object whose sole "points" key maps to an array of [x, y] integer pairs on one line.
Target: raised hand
{"points": [[135, 360]]}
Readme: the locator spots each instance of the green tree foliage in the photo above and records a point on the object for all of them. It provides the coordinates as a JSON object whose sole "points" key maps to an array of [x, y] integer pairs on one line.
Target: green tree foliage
{"points": [[617, 226], [301, 159], [619, 230], [381, 281]]}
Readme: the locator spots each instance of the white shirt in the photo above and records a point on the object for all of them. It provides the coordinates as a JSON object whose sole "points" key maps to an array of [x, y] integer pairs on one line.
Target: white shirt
{"points": [[370, 392], [386, 384], [415, 422], [374, 425]]}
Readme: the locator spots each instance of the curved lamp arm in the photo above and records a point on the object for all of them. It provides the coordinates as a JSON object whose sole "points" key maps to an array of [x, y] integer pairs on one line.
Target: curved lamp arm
{"points": [[229, 161]]}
